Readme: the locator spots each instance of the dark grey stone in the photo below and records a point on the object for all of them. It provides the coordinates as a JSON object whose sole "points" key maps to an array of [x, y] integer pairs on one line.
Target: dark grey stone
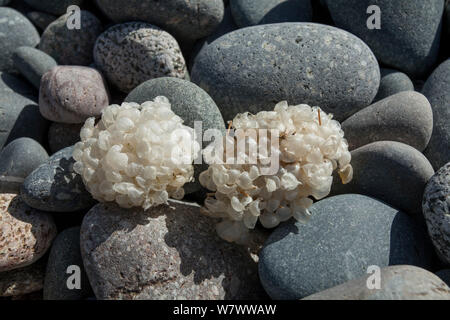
{"points": [[63, 135], [17, 160], [437, 90], [444, 275], [390, 171], [253, 12], [32, 64], [41, 19], [404, 117], [55, 187], [392, 82], [436, 209], [15, 31], [23, 280], [20, 117], [254, 68], [345, 235], [186, 20], [65, 252], [189, 102], [408, 39], [57, 7], [13, 84]]}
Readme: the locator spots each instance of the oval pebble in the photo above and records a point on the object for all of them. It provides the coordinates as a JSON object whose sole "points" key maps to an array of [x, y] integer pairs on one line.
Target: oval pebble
{"points": [[392, 82]]}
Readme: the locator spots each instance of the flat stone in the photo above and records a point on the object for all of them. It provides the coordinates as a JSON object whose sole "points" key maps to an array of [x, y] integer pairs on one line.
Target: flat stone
{"points": [[55, 187], [65, 252], [397, 283], [63, 135], [399, 42], [26, 233], [437, 90], [41, 19], [254, 12], [17, 160], [389, 171], [53, 6], [32, 64], [404, 117], [436, 209], [131, 53], [166, 252], [15, 31], [23, 280], [444, 275], [345, 235], [392, 82], [71, 46], [254, 68], [71, 94]]}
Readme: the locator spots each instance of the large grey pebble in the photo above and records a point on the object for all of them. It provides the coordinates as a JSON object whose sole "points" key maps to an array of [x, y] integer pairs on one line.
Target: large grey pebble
{"points": [[409, 34], [345, 235], [392, 82], [53, 6], [63, 135], [437, 90], [17, 160], [23, 280], [32, 64], [396, 283], [254, 68], [444, 275], [404, 117], [166, 252], [55, 187], [436, 209], [13, 84]]}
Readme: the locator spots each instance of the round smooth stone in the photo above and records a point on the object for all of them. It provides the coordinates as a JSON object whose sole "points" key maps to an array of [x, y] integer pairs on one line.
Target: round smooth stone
{"points": [[26, 233], [392, 82], [63, 135], [24, 280], [252, 69], [345, 235], [57, 7]]}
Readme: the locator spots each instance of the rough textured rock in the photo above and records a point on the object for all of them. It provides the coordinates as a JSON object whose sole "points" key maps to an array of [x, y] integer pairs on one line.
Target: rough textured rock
{"points": [[65, 252], [188, 20], [436, 209], [133, 52], [444, 275], [390, 171], [345, 235], [397, 283], [32, 64], [23, 280], [15, 31], [13, 84], [163, 253], [404, 117], [71, 46], [63, 135], [71, 94], [53, 6], [253, 12], [400, 42], [254, 68], [392, 82], [55, 187], [17, 160], [26, 234], [41, 19], [437, 90]]}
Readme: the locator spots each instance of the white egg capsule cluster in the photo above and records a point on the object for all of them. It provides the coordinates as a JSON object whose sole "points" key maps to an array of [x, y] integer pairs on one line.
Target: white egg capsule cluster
{"points": [[310, 146], [136, 155]]}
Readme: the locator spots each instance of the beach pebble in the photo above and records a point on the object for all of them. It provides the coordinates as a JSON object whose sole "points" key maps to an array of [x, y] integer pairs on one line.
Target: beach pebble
{"points": [[392, 82], [57, 7], [63, 135], [24, 280]]}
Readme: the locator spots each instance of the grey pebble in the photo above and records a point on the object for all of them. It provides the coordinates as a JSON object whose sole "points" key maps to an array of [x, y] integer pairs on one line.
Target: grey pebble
{"points": [[392, 82]]}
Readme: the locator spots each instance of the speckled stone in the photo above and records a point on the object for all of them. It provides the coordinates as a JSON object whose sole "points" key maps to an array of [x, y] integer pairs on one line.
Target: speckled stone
{"points": [[397, 283], [71, 47], [17, 160], [163, 253], [133, 52], [437, 90], [20, 117], [444, 275], [15, 31], [392, 82], [13, 84], [187, 20], [41, 19], [436, 209], [189, 102], [71, 94], [26, 233], [390, 171], [23, 280], [345, 235], [63, 135], [55, 187], [65, 252], [404, 117], [32, 64], [253, 12], [254, 68], [53, 6], [410, 30]]}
